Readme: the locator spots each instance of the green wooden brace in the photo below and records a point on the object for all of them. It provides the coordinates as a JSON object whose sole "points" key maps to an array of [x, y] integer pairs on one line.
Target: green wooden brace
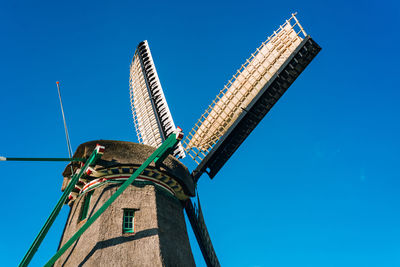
{"points": [[160, 153], [42, 234], [41, 159]]}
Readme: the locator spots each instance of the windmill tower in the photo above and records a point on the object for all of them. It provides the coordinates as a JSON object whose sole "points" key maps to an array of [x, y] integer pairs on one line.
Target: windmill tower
{"points": [[127, 199], [145, 226]]}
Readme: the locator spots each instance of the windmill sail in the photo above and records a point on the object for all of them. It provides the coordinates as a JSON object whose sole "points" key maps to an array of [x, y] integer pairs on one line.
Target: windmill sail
{"points": [[196, 219], [248, 96], [151, 115]]}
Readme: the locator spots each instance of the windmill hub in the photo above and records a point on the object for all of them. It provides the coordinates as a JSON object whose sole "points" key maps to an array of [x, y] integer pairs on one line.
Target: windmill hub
{"points": [[146, 223]]}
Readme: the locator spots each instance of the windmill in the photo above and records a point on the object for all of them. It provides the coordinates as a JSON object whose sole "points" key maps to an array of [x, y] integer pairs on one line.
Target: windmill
{"points": [[222, 128]]}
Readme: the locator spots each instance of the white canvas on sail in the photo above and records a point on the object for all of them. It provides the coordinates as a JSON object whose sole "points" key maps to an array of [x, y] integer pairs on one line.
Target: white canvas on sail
{"points": [[151, 115], [242, 88]]}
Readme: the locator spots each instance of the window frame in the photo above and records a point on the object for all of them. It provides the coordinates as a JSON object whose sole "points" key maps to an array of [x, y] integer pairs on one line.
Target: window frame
{"points": [[128, 221]]}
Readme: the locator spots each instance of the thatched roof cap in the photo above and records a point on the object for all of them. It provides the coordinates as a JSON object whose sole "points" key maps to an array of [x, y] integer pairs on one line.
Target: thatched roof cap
{"points": [[127, 153]]}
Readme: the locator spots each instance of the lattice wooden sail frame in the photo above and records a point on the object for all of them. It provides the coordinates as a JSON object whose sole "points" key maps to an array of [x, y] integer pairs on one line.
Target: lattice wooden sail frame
{"points": [[242, 88], [151, 115]]}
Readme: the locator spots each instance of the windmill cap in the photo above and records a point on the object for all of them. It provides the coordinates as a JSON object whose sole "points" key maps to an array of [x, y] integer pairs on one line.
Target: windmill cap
{"points": [[121, 153]]}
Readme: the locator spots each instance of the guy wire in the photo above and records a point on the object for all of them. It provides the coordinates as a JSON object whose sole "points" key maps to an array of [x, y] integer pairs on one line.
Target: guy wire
{"points": [[65, 125]]}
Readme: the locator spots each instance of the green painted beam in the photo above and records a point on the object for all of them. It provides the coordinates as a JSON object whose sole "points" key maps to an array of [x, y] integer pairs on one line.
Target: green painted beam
{"points": [[160, 153], [96, 154], [41, 159]]}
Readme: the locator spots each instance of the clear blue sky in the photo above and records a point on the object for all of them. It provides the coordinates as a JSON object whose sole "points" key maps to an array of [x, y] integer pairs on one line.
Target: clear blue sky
{"points": [[316, 184]]}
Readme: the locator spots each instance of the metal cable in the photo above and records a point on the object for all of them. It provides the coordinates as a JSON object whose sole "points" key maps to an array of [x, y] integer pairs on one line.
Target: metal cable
{"points": [[65, 125]]}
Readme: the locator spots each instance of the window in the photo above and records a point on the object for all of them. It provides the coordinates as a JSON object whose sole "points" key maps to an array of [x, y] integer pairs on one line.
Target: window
{"points": [[85, 206], [127, 223]]}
